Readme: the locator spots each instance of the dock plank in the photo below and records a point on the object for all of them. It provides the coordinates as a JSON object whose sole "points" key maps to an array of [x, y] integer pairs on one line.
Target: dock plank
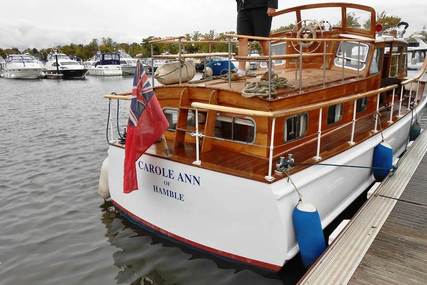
{"points": [[386, 242], [399, 253]]}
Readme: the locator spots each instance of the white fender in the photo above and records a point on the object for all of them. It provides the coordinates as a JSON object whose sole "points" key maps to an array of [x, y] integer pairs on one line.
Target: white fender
{"points": [[168, 73], [103, 189]]}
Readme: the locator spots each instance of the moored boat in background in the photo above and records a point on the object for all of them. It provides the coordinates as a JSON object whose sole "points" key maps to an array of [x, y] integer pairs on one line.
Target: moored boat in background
{"points": [[60, 65], [417, 53], [22, 66], [2, 63], [127, 63], [106, 64]]}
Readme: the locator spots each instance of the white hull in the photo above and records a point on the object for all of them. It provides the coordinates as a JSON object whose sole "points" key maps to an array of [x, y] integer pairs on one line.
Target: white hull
{"points": [[27, 73], [128, 69], [106, 70], [238, 218]]}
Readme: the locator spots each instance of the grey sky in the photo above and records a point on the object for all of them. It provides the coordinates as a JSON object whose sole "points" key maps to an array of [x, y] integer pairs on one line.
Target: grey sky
{"points": [[44, 23]]}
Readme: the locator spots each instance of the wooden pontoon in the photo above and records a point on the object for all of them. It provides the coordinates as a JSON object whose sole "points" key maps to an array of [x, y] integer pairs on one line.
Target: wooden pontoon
{"points": [[346, 90]]}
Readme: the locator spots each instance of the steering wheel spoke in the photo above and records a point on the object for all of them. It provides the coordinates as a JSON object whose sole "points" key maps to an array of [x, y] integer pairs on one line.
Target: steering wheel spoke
{"points": [[307, 31]]}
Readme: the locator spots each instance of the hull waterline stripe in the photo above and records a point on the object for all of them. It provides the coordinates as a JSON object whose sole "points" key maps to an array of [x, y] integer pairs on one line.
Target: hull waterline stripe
{"points": [[211, 250]]}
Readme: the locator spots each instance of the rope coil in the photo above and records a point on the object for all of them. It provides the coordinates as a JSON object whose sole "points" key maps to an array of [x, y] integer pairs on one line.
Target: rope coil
{"points": [[262, 87]]}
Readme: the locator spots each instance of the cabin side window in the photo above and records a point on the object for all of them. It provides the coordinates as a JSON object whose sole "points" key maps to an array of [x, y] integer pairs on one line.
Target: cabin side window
{"points": [[352, 55], [395, 62], [335, 113], [295, 127], [171, 115], [376, 61], [235, 128], [361, 105]]}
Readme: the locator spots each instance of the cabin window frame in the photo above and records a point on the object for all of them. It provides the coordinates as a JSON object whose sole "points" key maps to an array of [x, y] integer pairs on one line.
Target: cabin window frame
{"points": [[398, 65], [363, 59], [191, 117], [378, 58], [233, 119], [341, 114], [362, 107], [300, 136], [177, 115]]}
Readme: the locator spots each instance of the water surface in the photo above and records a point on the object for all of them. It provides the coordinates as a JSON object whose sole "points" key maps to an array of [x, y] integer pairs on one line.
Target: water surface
{"points": [[54, 228]]}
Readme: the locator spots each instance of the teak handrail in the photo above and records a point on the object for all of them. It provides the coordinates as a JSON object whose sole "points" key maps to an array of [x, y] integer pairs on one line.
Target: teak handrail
{"points": [[292, 111], [168, 39], [299, 39], [121, 96], [283, 56], [190, 55]]}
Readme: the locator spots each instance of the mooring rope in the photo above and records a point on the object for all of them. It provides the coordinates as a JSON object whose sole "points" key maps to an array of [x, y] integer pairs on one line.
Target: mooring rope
{"points": [[108, 121], [262, 88], [293, 184], [340, 165]]}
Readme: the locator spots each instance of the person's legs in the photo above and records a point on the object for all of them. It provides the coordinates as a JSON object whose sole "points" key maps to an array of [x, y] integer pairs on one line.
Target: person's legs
{"points": [[245, 26], [262, 28], [243, 51], [265, 47]]}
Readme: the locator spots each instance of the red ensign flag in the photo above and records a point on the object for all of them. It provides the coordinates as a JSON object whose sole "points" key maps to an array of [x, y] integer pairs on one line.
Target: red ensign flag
{"points": [[146, 125]]}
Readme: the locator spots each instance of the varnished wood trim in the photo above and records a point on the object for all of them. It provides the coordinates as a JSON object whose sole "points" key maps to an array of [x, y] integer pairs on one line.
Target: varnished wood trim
{"points": [[292, 111], [293, 39], [191, 55], [284, 56], [118, 97]]}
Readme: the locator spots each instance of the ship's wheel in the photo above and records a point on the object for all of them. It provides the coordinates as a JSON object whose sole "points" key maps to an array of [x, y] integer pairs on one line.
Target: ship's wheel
{"points": [[307, 31]]}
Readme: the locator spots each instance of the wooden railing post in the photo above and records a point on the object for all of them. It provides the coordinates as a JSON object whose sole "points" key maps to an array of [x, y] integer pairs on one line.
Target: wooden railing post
{"points": [[152, 66], [300, 67], [324, 64], [229, 63], [270, 67], [180, 59]]}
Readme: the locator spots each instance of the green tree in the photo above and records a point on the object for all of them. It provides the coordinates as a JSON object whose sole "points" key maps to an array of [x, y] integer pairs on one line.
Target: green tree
{"points": [[388, 21], [353, 20]]}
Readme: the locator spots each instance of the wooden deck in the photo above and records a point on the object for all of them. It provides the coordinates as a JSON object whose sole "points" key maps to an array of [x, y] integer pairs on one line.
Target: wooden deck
{"points": [[386, 242], [312, 79]]}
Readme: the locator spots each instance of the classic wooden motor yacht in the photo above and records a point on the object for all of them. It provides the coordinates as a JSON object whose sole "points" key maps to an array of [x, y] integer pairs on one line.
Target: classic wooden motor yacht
{"points": [[231, 168]]}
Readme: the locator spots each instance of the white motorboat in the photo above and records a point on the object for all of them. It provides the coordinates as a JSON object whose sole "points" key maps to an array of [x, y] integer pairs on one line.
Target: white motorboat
{"points": [[127, 63], [417, 53], [60, 65], [106, 64], [22, 66], [2, 63]]}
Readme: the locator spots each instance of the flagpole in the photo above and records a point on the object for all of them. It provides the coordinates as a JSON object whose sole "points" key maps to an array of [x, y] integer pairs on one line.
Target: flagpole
{"points": [[165, 144]]}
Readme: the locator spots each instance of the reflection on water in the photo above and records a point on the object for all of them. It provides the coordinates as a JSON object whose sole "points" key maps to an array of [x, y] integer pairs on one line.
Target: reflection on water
{"points": [[143, 259]]}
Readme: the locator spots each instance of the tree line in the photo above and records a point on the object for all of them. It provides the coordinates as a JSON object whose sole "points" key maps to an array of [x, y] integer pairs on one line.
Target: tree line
{"points": [[142, 49]]}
